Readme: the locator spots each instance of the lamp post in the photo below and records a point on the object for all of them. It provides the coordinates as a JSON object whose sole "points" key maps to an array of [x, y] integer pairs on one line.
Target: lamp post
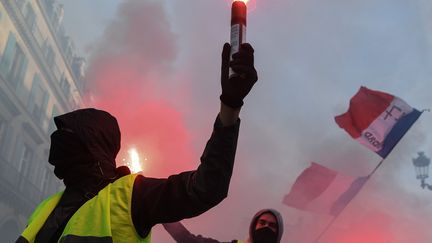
{"points": [[421, 165]]}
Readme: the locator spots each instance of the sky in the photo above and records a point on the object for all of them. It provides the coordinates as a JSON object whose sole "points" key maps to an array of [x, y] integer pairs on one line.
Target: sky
{"points": [[155, 65]]}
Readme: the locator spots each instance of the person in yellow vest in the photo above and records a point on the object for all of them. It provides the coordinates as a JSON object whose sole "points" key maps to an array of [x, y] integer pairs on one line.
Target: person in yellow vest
{"points": [[102, 203], [266, 227]]}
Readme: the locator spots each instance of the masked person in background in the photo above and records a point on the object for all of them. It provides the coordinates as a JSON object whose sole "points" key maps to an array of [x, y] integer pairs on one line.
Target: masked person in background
{"points": [[105, 204], [266, 227]]}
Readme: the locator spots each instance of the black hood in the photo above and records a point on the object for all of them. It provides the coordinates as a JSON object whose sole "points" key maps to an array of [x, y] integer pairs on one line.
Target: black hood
{"points": [[275, 213], [85, 145]]}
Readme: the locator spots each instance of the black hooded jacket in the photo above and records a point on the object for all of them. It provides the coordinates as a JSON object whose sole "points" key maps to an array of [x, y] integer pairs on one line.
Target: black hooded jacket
{"points": [[278, 217], [83, 151], [182, 235]]}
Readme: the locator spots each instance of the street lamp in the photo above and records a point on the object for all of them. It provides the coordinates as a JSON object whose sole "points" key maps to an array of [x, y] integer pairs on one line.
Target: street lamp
{"points": [[421, 164]]}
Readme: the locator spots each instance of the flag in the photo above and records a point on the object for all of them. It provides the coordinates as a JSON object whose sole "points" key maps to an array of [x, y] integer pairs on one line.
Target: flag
{"points": [[377, 120], [323, 190]]}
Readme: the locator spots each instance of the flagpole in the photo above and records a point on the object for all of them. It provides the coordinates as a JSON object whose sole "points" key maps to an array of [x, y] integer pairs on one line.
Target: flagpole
{"points": [[376, 167], [325, 229]]}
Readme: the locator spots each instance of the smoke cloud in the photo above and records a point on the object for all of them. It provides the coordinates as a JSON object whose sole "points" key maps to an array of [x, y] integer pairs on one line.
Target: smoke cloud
{"points": [[129, 76], [156, 68]]}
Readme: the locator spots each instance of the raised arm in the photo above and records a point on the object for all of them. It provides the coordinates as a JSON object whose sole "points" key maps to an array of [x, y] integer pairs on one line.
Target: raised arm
{"points": [[189, 194]]}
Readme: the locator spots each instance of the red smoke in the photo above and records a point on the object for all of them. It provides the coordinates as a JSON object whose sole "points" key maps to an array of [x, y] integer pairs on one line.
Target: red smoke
{"points": [[127, 77], [130, 75], [373, 227]]}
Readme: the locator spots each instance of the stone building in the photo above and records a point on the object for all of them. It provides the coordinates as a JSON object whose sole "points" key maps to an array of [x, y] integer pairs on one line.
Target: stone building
{"points": [[40, 77]]}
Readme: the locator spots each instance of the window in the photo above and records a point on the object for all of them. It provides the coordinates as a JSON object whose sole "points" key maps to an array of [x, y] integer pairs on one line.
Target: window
{"points": [[8, 53], [2, 128], [44, 179], [20, 4], [2, 135], [7, 138], [25, 157], [49, 54], [19, 64], [57, 16], [52, 126], [38, 101], [65, 86], [14, 63], [30, 16]]}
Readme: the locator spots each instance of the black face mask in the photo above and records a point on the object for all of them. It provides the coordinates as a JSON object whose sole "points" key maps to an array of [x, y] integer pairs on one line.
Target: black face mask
{"points": [[71, 158], [65, 145], [264, 235]]}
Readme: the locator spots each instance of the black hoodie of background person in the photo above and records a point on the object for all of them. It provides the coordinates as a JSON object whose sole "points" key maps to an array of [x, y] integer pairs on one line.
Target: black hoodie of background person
{"points": [[182, 235], [279, 220], [83, 151]]}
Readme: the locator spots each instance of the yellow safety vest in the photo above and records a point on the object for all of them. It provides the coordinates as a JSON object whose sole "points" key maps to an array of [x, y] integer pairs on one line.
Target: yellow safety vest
{"points": [[105, 218]]}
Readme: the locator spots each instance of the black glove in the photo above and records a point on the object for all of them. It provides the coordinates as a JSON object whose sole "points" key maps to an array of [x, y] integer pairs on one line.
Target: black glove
{"points": [[235, 89]]}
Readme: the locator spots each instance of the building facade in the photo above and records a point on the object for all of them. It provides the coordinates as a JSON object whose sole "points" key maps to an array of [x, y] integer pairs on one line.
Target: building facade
{"points": [[40, 77]]}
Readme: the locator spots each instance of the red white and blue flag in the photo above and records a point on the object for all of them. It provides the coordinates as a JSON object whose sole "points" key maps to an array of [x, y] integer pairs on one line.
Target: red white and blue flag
{"points": [[377, 120], [322, 190]]}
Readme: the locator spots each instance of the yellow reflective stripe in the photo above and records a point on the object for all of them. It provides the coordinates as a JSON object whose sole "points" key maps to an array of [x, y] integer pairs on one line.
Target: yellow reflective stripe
{"points": [[85, 239], [39, 216]]}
